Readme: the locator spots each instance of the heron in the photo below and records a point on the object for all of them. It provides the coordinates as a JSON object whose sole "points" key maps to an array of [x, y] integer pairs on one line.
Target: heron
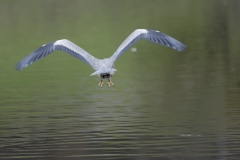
{"points": [[103, 67]]}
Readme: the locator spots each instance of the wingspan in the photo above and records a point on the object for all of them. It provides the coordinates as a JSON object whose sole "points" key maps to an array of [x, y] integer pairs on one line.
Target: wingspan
{"points": [[63, 45], [150, 35]]}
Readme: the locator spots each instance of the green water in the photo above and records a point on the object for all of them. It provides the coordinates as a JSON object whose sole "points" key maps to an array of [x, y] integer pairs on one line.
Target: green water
{"points": [[164, 105]]}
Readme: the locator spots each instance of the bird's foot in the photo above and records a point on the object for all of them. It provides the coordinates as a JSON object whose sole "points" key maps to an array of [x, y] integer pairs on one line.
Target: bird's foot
{"points": [[100, 84], [109, 83]]}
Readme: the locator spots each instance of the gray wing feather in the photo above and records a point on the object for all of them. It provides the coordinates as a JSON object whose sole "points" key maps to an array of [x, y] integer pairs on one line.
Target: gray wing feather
{"points": [[62, 45], [150, 35]]}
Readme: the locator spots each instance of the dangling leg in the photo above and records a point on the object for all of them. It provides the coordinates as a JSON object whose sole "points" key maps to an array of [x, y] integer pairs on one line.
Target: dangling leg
{"points": [[100, 83], [109, 83]]}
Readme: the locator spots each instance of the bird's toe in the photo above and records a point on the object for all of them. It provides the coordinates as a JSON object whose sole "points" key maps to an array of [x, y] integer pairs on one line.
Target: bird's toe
{"points": [[100, 84], [111, 83]]}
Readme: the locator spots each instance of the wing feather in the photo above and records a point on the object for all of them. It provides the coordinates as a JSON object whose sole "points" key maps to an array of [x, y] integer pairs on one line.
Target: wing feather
{"points": [[150, 35], [62, 45]]}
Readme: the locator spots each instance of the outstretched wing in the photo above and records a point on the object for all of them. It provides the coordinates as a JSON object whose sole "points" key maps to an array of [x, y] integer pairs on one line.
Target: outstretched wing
{"points": [[63, 45], [150, 35]]}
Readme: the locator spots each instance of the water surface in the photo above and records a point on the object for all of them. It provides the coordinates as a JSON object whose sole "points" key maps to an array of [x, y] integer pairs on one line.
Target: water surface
{"points": [[165, 104]]}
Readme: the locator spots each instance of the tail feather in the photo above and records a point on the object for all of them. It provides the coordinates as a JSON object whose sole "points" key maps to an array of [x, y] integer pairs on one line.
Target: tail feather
{"points": [[110, 71], [95, 73]]}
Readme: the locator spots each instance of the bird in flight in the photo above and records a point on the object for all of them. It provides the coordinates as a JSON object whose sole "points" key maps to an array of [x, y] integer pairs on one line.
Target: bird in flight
{"points": [[103, 67]]}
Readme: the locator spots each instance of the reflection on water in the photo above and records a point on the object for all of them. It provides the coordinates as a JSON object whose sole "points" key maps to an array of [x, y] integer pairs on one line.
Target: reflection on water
{"points": [[165, 105]]}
